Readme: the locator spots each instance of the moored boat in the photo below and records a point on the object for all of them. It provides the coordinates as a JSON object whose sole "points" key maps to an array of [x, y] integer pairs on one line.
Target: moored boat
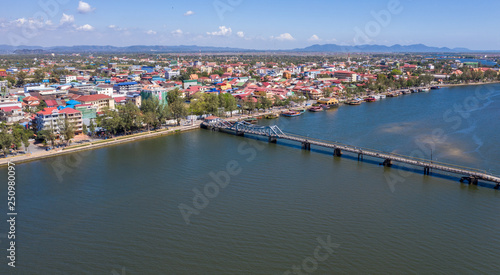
{"points": [[251, 120], [354, 102], [316, 109], [291, 113], [435, 87], [370, 99], [271, 116]]}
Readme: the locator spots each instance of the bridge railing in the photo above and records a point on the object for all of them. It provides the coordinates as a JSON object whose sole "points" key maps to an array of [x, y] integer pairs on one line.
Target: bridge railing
{"points": [[275, 131], [391, 154]]}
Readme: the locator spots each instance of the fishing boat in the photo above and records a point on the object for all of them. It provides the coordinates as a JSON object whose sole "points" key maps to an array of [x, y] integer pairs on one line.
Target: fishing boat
{"points": [[326, 107], [406, 92], [435, 87], [251, 120], [291, 113], [426, 90], [354, 102], [370, 99], [316, 109], [302, 110], [271, 116]]}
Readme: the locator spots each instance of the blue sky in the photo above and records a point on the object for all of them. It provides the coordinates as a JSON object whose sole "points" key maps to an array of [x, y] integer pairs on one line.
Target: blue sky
{"points": [[253, 24]]}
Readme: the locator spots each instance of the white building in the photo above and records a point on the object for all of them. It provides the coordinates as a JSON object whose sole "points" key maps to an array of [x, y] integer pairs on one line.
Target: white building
{"points": [[171, 74], [105, 89], [67, 79]]}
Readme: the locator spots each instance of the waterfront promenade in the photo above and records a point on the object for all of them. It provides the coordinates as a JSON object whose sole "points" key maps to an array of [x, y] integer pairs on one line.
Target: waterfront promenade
{"points": [[118, 140]]}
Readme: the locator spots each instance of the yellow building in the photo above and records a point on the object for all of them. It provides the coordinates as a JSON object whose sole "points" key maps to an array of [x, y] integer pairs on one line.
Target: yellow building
{"points": [[328, 101]]}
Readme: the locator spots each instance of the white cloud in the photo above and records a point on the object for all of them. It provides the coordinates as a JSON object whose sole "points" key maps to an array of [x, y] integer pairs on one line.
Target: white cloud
{"points": [[188, 13], [177, 32], [67, 19], [85, 27], [314, 38], [223, 31], [284, 37], [84, 7], [151, 32], [30, 23], [240, 34]]}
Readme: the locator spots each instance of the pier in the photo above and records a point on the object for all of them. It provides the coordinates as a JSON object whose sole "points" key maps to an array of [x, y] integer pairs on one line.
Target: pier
{"points": [[273, 133]]}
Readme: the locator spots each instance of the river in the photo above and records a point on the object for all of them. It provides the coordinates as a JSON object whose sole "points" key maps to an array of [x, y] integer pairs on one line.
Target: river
{"points": [[136, 208]]}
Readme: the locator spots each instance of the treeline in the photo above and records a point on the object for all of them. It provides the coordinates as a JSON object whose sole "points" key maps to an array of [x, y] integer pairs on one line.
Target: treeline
{"points": [[14, 137]]}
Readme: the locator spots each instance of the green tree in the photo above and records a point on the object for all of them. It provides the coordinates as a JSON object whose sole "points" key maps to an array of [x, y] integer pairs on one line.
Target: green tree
{"points": [[67, 130], [6, 141], [228, 102], [21, 136], [91, 127], [42, 106], [131, 117], [178, 110], [265, 103], [21, 78], [47, 135], [39, 76], [110, 121]]}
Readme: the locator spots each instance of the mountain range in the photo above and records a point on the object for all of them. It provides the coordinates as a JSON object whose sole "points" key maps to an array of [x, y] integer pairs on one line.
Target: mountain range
{"points": [[327, 48]]}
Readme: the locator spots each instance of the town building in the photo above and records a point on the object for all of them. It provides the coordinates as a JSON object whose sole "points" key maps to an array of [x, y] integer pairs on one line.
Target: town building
{"points": [[100, 102], [67, 79], [53, 118]]}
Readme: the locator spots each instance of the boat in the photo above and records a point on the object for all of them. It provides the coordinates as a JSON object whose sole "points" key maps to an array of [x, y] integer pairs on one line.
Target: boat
{"points": [[251, 120], [291, 113], [435, 87], [354, 102], [370, 99], [406, 92], [382, 96], [326, 107], [302, 110], [271, 116], [426, 90], [316, 109]]}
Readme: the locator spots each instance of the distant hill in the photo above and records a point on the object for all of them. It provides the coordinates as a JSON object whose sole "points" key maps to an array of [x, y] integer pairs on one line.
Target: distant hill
{"points": [[112, 49], [416, 48]]}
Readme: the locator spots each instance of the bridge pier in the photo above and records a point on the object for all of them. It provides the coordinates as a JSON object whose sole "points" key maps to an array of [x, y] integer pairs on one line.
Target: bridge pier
{"points": [[273, 140], [427, 170], [472, 180], [337, 152], [498, 186], [306, 146], [241, 134], [360, 156], [387, 163]]}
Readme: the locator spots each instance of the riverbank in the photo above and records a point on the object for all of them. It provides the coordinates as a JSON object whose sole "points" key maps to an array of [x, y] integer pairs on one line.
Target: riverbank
{"points": [[469, 84], [118, 140]]}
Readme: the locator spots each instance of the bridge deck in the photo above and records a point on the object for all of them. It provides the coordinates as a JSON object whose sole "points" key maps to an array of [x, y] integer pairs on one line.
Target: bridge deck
{"points": [[275, 132]]}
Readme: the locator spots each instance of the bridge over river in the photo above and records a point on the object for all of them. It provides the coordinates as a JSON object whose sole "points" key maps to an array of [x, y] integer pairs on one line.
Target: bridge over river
{"points": [[273, 133]]}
